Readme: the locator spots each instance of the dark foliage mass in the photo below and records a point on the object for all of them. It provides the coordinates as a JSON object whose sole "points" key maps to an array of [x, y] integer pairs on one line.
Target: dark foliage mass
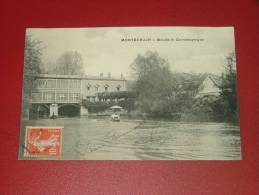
{"points": [[126, 101], [154, 84], [32, 64], [96, 107], [229, 89], [163, 93]]}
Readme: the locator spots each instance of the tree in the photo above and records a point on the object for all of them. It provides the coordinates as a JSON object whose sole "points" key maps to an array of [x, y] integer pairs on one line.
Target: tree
{"points": [[154, 84], [69, 63], [32, 64], [229, 89]]}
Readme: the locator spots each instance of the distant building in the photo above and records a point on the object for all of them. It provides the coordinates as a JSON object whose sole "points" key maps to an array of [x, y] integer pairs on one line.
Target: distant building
{"points": [[209, 86], [55, 92], [200, 85]]}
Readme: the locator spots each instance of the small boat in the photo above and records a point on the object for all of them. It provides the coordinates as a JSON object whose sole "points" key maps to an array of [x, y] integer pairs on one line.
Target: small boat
{"points": [[115, 117]]}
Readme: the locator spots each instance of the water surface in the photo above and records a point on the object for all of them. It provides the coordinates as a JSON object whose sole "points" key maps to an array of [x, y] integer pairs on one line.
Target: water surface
{"points": [[101, 138]]}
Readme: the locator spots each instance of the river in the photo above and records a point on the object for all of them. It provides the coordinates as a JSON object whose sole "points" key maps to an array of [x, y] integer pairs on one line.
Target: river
{"points": [[103, 139]]}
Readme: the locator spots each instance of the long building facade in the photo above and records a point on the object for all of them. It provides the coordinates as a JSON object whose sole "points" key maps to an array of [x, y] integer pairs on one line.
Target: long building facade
{"points": [[54, 92]]}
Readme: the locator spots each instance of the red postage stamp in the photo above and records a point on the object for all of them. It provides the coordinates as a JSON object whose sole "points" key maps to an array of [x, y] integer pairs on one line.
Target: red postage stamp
{"points": [[43, 141]]}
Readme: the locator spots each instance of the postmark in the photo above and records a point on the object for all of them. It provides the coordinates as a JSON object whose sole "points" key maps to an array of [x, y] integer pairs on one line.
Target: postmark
{"points": [[43, 141]]}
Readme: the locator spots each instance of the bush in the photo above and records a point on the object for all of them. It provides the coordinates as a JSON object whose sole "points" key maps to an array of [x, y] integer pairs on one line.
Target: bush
{"points": [[96, 107]]}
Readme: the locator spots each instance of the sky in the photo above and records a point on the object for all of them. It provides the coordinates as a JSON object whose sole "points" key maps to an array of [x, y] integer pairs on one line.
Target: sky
{"points": [[103, 50]]}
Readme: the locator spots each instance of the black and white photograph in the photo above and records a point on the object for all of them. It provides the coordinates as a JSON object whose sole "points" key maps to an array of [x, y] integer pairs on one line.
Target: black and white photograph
{"points": [[130, 93]]}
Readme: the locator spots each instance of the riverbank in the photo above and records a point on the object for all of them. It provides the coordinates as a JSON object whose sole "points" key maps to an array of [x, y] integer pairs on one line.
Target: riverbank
{"points": [[175, 117]]}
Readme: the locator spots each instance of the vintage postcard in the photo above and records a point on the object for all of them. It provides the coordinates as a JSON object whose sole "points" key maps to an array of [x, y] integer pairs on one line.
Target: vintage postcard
{"points": [[130, 93]]}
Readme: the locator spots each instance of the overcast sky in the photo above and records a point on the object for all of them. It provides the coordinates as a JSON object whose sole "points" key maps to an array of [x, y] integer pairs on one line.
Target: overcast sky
{"points": [[103, 51]]}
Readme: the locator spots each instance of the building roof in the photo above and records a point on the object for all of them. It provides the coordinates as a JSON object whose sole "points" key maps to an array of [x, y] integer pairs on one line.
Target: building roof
{"points": [[81, 77], [215, 79], [190, 81]]}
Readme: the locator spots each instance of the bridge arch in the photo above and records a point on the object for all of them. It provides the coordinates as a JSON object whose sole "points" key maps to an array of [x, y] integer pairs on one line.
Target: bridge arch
{"points": [[37, 111], [75, 105], [69, 110]]}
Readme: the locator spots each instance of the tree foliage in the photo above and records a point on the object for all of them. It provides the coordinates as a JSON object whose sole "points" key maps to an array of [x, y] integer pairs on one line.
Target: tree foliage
{"points": [[69, 63], [32, 64], [162, 93], [153, 86], [223, 107], [229, 89]]}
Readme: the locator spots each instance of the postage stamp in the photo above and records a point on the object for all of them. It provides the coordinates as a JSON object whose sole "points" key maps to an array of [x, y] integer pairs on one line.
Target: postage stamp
{"points": [[43, 142]]}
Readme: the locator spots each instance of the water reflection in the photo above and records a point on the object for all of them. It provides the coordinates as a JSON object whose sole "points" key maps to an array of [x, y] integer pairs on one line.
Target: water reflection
{"points": [[85, 138]]}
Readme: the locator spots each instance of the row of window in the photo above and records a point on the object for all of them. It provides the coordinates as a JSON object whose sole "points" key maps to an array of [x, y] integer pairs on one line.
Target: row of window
{"points": [[55, 97], [97, 87], [70, 83], [58, 83]]}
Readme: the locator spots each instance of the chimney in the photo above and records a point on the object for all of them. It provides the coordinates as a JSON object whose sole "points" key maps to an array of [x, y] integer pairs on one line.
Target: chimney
{"points": [[109, 75]]}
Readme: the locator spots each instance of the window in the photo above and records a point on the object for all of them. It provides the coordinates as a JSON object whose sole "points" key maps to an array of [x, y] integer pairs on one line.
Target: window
{"points": [[62, 97], [75, 96], [58, 83], [73, 83], [106, 87], [48, 96], [118, 88], [78, 83], [36, 96], [97, 87], [41, 83], [88, 87], [64, 83]]}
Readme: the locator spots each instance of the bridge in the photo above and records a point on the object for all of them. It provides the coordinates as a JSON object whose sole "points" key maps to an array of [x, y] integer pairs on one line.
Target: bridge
{"points": [[62, 95]]}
